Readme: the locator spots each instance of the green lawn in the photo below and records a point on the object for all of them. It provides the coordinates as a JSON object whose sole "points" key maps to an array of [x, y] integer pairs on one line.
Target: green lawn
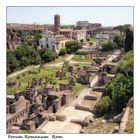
{"points": [[50, 72], [82, 58], [24, 78], [46, 71], [58, 60], [78, 87], [92, 39]]}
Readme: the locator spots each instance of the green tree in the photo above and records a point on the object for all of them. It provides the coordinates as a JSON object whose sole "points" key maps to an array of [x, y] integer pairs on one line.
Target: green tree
{"points": [[108, 45], [37, 37], [103, 106], [72, 46], [48, 55], [24, 61], [12, 62], [62, 51], [123, 28], [90, 43], [88, 39], [119, 40], [82, 40], [120, 89], [126, 64], [129, 40], [25, 52]]}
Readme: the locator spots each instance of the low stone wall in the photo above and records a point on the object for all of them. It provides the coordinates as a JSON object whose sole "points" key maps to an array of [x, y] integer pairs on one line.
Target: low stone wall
{"points": [[49, 110], [77, 121], [82, 107], [52, 117], [85, 122], [60, 117], [90, 97], [99, 89]]}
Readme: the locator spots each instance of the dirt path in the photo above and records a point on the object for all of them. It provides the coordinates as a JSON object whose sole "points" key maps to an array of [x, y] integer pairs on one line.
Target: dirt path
{"points": [[21, 71], [49, 65], [36, 66]]}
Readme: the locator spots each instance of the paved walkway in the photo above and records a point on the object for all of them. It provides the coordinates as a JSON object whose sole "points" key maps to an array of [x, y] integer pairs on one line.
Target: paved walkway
{"points": [[71, 113]]}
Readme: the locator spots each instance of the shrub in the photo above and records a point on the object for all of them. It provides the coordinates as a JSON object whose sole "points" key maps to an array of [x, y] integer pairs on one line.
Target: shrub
{"points": [[62, 51], [103, 106]]}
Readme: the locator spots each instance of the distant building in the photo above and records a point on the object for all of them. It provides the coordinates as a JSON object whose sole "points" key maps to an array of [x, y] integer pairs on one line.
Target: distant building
{"points": [[68, 32], [74, 34], [53, 42], [95, 25], [79, 35], [57, 24], [103, 30], [82, 24], [13, 41]]}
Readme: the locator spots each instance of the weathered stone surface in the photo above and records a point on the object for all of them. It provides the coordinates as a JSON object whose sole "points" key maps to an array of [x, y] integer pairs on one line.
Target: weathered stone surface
{"points": [[70, 87], [77, 121], [60, 117], [90, 97], [85, 122], [52, 118], [70, 69], [83, 76], [99, 89], [62, 87], [71, 81], [82, 107], [115, 130], [82, 131]]}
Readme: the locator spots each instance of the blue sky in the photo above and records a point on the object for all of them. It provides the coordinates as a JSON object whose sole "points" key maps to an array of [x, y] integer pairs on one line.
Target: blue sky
{"points": [[108, 16]]}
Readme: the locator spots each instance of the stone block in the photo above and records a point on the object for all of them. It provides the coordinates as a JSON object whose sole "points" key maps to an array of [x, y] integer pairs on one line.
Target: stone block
{"points": [[90, 97], [52, 118], [60, 117], [82, 107]]}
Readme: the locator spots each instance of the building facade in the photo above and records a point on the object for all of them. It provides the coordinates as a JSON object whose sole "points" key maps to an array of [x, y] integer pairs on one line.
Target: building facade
{"points": [[53, 42]]}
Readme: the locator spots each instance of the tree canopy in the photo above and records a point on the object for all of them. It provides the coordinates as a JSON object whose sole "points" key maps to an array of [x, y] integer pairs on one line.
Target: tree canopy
{"points": [[129, 40], [12, 61], [126, 64], [119, 40], [62, 51], [72, 46], [120, 89], [26, 55], [108, 45], [47, 55], [103, 106], [123, 28]]}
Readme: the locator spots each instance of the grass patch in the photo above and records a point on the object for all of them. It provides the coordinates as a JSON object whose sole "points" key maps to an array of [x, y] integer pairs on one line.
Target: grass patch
{"points": [[25, 131], [23, 79], [58, 60], [77, 88], [82, 58], [93, 39], [81, 64]]}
